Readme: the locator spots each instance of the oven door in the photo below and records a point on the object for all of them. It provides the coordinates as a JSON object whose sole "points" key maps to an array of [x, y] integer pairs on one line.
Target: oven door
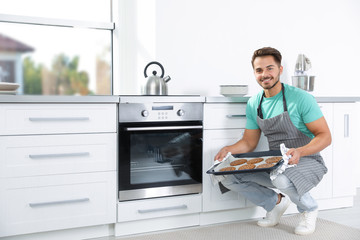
{"points": [[159, 159]]}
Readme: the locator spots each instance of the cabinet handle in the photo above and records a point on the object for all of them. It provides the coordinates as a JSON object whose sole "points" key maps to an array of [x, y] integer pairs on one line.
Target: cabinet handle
{"points": [[183, 206], [69, 201], [57, 119], [235, 115], [346, 125], [58, 155]]}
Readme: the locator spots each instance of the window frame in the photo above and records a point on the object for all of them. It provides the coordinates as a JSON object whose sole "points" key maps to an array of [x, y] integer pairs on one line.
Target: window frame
{"points": [[57, 22]]}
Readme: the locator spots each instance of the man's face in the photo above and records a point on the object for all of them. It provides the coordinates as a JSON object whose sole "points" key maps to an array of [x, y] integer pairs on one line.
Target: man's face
{"points": [[266, 71]]}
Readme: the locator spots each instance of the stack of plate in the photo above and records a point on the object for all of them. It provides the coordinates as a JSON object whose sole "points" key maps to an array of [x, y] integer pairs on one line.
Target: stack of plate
{"points": [[233, 90], [8, 88]]}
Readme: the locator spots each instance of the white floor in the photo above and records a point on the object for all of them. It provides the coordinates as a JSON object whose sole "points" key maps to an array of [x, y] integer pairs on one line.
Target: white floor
{"points": [[346, 216]]}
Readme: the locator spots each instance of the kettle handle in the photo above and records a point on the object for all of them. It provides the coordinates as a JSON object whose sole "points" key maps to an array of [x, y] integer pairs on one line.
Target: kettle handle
{"points": [[157, 63]]}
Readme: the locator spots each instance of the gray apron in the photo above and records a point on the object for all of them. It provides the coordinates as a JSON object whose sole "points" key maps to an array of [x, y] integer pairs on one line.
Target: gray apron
{"points": [[280, 129]]}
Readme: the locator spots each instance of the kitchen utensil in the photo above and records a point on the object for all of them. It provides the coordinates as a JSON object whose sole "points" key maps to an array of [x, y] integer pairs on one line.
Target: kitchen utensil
{"points": [[156, 85], [265, 154], [302, 65], [233, 90], [302, 78], [304, 82], [6, 86]]}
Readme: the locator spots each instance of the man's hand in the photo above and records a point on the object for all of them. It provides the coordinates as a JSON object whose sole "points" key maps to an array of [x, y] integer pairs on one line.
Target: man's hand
{"points": [[295, 156], [247, 143], [221, 154]]}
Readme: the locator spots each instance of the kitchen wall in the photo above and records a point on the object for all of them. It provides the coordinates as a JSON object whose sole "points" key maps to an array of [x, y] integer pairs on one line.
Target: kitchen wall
{"points": [[205, 43]]}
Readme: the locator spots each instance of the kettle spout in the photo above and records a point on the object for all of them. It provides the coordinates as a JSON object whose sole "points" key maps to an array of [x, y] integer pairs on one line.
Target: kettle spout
{"points": [[167, 78]]}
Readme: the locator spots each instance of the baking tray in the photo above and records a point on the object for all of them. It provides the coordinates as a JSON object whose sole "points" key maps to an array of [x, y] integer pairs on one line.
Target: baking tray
{"points": [[264, 154]]}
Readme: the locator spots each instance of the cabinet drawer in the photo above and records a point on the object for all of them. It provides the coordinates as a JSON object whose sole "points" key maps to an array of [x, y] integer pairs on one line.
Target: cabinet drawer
{"points": [[46, 203], [219, 116], [162, 207], [56, 154], [57, 118]]}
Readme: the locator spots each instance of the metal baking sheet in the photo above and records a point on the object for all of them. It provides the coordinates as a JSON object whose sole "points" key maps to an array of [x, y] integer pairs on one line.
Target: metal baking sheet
{"points": [[265, 154]]}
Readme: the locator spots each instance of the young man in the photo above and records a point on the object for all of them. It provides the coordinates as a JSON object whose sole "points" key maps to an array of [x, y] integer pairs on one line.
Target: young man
{"points": [[288, 115]]}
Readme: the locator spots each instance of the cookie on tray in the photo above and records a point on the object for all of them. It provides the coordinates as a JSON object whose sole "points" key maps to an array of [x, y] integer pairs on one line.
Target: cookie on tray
{"points": [[273, 159], [246, 166], [227, 169], [255, 160], [266, 165], [238, 162]]}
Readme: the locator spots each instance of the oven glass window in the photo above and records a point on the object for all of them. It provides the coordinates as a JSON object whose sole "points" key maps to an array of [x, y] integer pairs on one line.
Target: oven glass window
{"points": [[163, 157]]}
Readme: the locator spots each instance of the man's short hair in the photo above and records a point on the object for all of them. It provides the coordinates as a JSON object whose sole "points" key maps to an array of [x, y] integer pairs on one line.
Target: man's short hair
{"points": [[267, 51]]}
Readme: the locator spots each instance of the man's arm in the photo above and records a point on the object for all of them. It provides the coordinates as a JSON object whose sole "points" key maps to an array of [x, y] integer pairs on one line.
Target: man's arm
{"points": [[247, 143], [321, 140]]}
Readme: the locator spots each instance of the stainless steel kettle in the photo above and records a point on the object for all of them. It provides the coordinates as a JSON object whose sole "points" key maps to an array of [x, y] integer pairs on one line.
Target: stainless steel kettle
{"points": [[155, 85]]}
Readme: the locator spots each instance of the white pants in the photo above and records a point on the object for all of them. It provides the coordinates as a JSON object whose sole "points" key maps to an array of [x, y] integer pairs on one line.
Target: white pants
{"points": [[257, 188]]}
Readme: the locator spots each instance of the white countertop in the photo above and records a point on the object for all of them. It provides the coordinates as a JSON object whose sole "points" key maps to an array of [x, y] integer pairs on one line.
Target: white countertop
{"points": [[221, 99], [117, 99], [57, 99]]}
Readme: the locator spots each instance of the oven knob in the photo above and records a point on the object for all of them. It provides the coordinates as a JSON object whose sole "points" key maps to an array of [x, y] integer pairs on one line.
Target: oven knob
{"points": [[180, 112], [144, 113]]}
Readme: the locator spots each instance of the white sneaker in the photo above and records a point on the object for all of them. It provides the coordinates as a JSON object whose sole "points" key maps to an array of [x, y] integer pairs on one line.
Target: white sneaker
{"points": [[307, 223], [273, 217]]}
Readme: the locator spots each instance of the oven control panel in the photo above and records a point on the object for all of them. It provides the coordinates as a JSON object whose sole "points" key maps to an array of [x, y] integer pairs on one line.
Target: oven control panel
{"points": [[139, 112]]}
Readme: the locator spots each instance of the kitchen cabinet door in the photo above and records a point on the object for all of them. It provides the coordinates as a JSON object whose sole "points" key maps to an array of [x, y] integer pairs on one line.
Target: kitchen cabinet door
{"points": [[224, 116], [55, 202], [21, 119], [35, 155], [213, 199], [344, 133]]}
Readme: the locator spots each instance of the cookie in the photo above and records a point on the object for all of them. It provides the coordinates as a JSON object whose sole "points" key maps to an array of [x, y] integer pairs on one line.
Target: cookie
{"points": [[273, 159], [255, 160], [266, 165], [227, 169], [238, 162], [247, 166]]}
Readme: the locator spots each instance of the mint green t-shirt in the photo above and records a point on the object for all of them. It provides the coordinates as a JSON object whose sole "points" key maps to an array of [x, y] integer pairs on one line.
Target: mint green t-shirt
{"points": [[302, 108]]}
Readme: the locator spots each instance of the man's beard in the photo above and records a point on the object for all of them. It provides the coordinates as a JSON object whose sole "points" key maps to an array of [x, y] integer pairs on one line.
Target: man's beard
{"points": [[270, 87]]}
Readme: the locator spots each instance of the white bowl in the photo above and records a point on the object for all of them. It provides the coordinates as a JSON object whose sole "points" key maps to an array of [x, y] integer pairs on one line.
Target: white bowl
{"points": [[5, 86], [233, 90]]}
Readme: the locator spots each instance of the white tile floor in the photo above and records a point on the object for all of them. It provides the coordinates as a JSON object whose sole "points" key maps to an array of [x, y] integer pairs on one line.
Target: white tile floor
{"points": [[345, 216]]}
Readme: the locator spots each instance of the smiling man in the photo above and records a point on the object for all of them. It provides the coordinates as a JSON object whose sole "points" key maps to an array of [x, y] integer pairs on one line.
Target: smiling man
{"points": [[288, 115]]}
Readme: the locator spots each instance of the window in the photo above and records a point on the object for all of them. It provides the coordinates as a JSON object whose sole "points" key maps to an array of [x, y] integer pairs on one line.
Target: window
{"points": [[57, 48]]}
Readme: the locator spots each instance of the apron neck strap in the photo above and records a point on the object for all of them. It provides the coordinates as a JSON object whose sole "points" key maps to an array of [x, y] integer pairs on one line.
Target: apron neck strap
{"points": [[259, 111]]}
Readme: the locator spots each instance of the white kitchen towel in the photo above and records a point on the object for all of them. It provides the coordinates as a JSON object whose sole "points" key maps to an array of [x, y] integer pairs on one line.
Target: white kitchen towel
{"points": [[285, 165], [215, 179]]}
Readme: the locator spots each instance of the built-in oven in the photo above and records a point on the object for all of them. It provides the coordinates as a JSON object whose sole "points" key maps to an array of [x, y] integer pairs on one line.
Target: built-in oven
{"points": [[160, 149]]}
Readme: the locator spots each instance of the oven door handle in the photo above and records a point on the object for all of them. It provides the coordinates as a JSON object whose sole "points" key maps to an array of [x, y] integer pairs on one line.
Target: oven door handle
{"points": [[162, 128]]}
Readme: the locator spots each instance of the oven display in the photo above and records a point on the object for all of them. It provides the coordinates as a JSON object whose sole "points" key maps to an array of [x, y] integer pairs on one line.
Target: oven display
{"points": [[156, 108]]}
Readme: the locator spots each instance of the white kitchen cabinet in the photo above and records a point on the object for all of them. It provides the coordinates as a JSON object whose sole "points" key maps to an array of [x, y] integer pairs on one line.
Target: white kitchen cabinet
{"points": [[213, 199], [57, 166], [339, 182], [224, 124], [158, 207], [158, 214], [44, 203], [20, 119], [224, 115], [32, 155], [344, 153]]}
